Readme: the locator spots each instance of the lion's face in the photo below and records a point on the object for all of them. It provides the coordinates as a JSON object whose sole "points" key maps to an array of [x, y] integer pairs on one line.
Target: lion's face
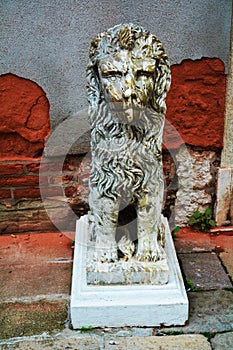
{"points": [[127, 82]]}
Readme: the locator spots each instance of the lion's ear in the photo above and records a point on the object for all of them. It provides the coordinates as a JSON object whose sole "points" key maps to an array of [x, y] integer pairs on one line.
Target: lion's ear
{"points": [[161, 85]]}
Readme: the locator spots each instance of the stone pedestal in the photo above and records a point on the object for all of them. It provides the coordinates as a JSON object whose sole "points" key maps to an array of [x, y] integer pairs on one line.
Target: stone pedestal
{"points": [[122, 305]]}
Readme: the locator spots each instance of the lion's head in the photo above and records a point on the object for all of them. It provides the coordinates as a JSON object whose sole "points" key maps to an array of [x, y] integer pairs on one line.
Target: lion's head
{"points": [[129, 70]]}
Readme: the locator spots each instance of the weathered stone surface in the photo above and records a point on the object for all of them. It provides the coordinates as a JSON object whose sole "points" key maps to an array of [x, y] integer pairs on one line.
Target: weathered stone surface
{"points": [[35, 264], [87, 343], [222, 341], [191, 342], [14, 220], [24, 117], [210, 312], [227, 153], [224, 195], [189, 241], [129, 143], [30, 215], [34, 248], [227, 260], [195, 170], [196, 103], [204, 270], [23, 319], [30, 280]]}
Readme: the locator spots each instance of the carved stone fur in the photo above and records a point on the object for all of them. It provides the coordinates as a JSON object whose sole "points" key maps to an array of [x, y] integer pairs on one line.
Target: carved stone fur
{"points": [[128, 78]]}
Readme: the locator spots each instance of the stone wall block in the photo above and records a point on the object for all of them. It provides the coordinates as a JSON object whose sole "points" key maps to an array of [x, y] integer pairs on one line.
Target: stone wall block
{"points": [[195, 181]]}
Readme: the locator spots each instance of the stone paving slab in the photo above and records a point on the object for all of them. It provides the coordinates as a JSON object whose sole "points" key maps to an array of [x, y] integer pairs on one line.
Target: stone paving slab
{"points": [[210, 312], [222, 341], [34, 248], [178, 342], [227, 260], [19, 319], [35, 264], [30, 280], [204, 270], [189, 241], [87, 343]]}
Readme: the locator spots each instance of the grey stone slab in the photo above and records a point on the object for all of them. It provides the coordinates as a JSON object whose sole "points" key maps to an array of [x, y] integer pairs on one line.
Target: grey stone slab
{"points": [[205, 271], [190, 342], [222, 341], [30, 280], [227, 260], [18, 319], [87, 343], [210, 312]]}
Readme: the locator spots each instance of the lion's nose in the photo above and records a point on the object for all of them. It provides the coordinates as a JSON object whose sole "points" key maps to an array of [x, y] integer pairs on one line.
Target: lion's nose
{"points": [[129, 93]]}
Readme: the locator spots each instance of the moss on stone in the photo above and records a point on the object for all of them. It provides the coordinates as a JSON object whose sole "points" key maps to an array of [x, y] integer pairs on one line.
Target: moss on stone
{"points": [[25, 319]]}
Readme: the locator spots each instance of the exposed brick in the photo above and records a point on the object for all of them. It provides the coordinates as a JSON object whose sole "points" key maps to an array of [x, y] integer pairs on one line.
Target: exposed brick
{"points": [[72, 162], [66, 178], [5, 194], [52, 191], [55, 179], [60, 179], [11, 169], [52, 167], [27, 193], [33, 167], [70, 191], [29, 180]]}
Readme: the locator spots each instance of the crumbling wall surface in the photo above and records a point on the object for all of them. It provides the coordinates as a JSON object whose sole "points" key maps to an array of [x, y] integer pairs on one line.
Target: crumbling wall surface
{"points": [[192, 143], [24, 126], [194, 132], [196, 170], [196, 103]]}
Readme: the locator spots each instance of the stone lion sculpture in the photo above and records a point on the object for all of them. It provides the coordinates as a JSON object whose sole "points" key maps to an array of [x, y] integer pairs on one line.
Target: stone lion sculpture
{"points": [[128, 78]]}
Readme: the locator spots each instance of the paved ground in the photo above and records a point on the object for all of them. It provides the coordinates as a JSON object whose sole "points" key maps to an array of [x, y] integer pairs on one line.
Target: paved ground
{"points": [[35, 278]]}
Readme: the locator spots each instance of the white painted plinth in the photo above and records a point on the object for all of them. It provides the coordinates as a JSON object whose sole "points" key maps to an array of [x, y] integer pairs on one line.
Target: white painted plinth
{"points": [[126, 305]]}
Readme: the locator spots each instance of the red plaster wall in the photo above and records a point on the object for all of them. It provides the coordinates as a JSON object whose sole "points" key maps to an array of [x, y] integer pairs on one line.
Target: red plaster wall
{"points": [[195, 104], [24, 126], [24, 118]]}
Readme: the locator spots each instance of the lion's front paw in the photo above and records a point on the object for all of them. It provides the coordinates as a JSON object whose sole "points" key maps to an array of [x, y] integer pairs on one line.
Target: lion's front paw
{"points": [[143, 251], [150, 251], [126, 246], [158, 253], [106, 255]]}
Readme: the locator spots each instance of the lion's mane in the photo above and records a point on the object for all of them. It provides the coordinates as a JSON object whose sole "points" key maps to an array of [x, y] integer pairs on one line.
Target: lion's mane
{"points": [[127, 167]]}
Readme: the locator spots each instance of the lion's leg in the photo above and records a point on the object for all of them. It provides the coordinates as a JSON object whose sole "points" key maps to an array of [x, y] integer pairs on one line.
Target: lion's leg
{"points": [[103, 219], [150, 229]]}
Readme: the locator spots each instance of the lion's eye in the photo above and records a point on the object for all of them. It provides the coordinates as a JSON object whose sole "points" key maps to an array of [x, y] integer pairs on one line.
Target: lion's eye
{"points": [[144, 73], [112, 74]]}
